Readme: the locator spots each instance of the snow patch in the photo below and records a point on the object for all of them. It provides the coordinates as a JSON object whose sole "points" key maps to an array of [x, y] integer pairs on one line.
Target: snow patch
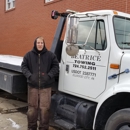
{"points": [[14, 124]]}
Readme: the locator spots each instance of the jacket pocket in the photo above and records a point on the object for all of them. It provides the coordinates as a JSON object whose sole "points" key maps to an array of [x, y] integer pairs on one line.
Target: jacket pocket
{"points": [[44, 79], [34, 80]]}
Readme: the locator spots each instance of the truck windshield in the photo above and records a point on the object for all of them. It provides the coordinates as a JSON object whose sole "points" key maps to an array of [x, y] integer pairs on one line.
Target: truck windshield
{"points": [[97, 38], [122, 32]]}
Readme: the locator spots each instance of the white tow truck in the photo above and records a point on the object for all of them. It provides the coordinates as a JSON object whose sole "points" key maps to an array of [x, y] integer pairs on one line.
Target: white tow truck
{"points": [[94, 79]]}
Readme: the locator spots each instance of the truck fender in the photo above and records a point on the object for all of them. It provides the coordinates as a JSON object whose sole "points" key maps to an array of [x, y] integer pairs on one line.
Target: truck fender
{"points": [[122, 87], [117, 88]]}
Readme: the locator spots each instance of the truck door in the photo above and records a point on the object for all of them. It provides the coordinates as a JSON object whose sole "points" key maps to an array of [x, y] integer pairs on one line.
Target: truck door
{"points": [[85, 74]]}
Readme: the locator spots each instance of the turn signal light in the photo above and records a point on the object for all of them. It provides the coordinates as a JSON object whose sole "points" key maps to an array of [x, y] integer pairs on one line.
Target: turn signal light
{"points": [[114, 66]]}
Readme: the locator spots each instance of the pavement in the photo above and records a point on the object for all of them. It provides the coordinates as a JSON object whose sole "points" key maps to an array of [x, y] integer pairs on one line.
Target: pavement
{"points": [[13, 113]]}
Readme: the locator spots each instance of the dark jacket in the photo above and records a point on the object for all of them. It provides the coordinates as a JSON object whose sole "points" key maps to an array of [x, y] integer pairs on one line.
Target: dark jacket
{"points": [[40, 68]]}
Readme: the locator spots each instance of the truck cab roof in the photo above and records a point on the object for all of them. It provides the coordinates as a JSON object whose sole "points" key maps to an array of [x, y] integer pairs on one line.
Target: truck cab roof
{"points": [[104, 12]]}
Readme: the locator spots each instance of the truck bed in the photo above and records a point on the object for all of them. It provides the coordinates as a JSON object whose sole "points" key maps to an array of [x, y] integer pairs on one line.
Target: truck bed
{"points": [[11, 62], [11, 78]]}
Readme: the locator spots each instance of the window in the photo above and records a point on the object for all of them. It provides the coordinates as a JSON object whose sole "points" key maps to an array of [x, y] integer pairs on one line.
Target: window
{"points": [[46, 1], [122, 32], [97, 38], [10, 4]]}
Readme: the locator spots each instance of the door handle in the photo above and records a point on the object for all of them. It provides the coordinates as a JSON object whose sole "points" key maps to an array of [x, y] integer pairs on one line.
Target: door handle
{"points": [[115, 75], [67, 68]]}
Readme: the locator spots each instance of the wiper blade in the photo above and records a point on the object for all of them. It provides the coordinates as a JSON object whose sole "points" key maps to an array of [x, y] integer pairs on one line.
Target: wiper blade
{"points": [[126, 43]]}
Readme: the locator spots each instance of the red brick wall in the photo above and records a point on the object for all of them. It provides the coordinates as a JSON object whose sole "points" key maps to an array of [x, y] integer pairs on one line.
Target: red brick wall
{"points": [[31, 18]]}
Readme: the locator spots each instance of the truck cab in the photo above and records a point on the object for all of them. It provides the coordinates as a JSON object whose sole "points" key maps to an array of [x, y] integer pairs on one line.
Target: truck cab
{"points": [[94, 80]]}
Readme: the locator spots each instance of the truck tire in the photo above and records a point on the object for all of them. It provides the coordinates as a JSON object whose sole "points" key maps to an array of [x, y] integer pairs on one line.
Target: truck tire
{"points": [[119, 120]]}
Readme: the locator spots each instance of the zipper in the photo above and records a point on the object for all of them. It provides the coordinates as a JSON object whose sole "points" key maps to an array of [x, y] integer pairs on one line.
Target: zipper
{"points": [[39, 71]]}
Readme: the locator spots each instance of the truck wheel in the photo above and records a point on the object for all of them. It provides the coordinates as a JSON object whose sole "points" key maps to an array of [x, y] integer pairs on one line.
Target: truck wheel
{"points": [[120, 120]]}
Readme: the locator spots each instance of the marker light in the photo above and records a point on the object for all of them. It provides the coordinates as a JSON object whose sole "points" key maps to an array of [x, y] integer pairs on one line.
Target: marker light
{"points": [[114, 66], [115, 12]]}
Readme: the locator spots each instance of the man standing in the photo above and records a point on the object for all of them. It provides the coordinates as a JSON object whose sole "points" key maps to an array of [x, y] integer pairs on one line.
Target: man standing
{"points": [[39, 66]]}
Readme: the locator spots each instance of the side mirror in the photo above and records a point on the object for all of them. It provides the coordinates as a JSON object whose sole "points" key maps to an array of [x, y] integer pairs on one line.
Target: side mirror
{"points": [[72, 50]]}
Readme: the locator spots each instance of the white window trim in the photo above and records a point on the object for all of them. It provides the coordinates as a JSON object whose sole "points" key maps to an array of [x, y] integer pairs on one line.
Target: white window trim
{"points": [[12, 4], [46, 1]]}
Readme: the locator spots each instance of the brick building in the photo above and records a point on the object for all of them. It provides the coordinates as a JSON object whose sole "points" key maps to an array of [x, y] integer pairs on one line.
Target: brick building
{"points": [[21, 21]]}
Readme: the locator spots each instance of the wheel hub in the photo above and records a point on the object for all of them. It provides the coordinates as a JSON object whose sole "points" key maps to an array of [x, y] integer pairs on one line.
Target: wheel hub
{"points": [[125, 127]]}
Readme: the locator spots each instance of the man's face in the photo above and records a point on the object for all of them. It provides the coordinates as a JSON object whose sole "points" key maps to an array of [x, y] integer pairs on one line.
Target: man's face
{"points": [[39, 44]]}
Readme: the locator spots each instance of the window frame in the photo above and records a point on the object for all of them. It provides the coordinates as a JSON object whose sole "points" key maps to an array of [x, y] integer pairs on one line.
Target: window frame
{"points": [[50, 2], [96, 36], [115, 31], [12, 6], [47, 1]]}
